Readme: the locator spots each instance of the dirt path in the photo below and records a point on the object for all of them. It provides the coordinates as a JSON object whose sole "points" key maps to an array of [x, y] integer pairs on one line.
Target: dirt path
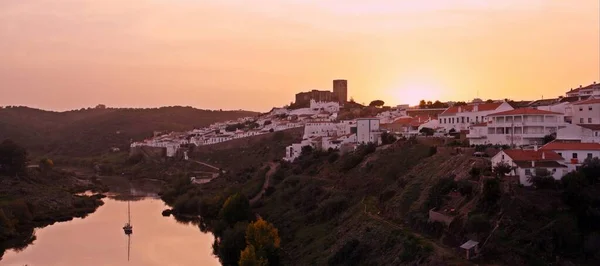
{"points": [[205, 164], [272, 168], [445, 252]]}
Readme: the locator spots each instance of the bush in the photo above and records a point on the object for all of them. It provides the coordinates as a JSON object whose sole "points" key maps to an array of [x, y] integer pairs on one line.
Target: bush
{"points": [[475, 173], [491, 191], [543, 179], [478, 223], [432, 150], [334, 156], [350, 253], [465, 188], [332, 207]]}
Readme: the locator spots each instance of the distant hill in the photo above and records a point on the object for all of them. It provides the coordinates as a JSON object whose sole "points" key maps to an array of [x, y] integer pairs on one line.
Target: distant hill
{"points": [[88, 132]]}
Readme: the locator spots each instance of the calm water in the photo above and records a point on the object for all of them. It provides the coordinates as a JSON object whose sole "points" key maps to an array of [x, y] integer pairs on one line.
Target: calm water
{"points": [[98, 240]]}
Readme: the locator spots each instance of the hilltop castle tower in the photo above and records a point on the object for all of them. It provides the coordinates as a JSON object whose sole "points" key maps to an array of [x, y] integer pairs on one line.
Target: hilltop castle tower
{"points": [[340, 90]]}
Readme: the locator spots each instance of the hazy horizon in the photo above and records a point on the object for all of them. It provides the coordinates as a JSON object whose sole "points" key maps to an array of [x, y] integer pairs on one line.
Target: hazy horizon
{"points": [[68, 54]]}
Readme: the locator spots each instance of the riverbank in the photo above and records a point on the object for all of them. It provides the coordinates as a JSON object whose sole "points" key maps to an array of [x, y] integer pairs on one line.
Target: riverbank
{"points": [[42, 198]]}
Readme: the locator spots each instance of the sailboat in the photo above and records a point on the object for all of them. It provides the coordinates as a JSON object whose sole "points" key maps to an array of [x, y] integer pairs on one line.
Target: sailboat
{"points": [[128, 228]]}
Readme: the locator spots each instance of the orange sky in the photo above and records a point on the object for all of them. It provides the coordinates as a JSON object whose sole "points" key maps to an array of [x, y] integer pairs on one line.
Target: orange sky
{"points": [[232, 54]]}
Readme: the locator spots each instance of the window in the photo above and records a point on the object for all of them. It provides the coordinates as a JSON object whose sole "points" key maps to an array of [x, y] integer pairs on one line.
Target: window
{"points": [[580, 109], [581, 120], [589, 120], [502, 157], [527, 171], [560, 154], [462, 119], [467, 120], [476, 119], [553, 171], [574, 155], [589, 108], [589, 155]]}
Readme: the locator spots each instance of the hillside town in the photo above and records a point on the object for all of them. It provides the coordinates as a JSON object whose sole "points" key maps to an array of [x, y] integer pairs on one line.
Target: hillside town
{"points": [[555, 134]]}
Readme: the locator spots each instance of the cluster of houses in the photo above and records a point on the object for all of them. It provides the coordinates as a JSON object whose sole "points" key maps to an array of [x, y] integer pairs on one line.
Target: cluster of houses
{"points": [[277, 120], [573, 120]]}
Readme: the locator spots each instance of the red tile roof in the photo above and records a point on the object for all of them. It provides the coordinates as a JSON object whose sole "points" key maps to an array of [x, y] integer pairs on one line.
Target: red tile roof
{"points": [[469, 108], [557, 146], [590, 101], [590, 126], [544, 164], [525, 111], [532, 155]]}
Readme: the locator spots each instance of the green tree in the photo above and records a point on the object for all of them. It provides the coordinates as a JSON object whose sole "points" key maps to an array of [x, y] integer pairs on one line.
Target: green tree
{"points": [[422, 104], [387, 138], [46, 164], [460, 104], [232, 243], [427, 131], [235, 209], [377, 103], [542, 179], [502, 169], [591, 169], [262, 239], [491, 191], [248, 257], [13, 158], [549, 138]]}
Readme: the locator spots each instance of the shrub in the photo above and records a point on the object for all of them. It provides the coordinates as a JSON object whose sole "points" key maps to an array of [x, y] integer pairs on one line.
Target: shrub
{"points": [[332, 207], [235, 209], [543, 179], [334, 156], [432, 150], [475, 172], [491, 191], [502, 169], [349, 254], [465, 188], [478, 223]]}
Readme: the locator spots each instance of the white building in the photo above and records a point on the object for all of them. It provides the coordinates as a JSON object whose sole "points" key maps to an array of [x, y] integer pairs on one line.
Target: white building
{"points": [[592, 89], [525, 163], [331, 107], [367, 130], [461, 117], [320, 128], [587, 112], [523, 126], [574, 153], [580, 133], [478, 134]]}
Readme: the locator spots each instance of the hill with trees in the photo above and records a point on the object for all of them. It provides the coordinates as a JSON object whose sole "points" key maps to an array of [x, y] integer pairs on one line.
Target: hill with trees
{"points": [[93, 131], [407, 203]]}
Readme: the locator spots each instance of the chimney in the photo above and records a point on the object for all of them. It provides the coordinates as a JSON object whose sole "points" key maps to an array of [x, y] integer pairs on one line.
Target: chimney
{"points": [[535, 147], [532, 164], [543, 156], [459, 109]]}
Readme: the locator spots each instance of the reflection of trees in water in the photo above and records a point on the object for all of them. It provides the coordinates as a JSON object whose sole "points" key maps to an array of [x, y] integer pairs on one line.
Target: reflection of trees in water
{"points": [[128, 197]]}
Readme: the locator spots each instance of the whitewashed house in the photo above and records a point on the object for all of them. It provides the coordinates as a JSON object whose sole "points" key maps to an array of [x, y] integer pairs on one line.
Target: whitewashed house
{"points": [[592, 89], [524, 126], [586, 112], [461, 117], [580, 133], [331, 107], [525, 163], [367, 130], [574, 153], [478, 134], [320, 128]]}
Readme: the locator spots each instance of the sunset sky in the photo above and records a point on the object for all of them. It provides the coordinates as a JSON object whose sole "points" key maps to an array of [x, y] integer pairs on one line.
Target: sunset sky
{"points": [[239, 54]]}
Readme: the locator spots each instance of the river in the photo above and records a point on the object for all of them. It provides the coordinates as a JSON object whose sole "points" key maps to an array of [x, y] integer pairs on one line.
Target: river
{"points": [[99, 240]]}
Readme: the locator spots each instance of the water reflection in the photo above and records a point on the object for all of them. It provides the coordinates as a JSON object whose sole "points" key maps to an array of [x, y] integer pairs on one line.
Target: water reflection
{"points": [[99, 239]]}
